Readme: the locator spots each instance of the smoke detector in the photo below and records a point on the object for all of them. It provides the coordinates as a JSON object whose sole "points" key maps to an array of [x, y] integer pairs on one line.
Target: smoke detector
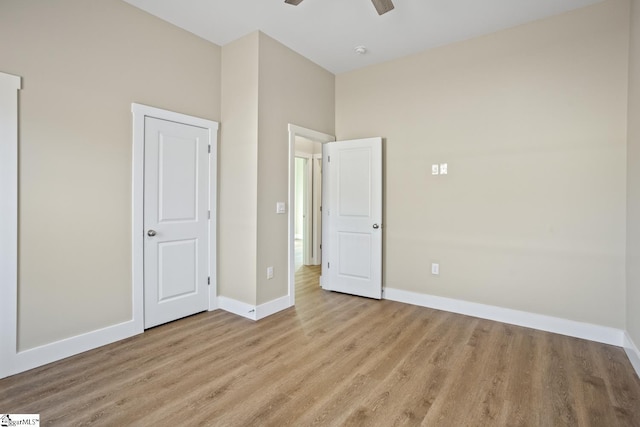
{"points": [[360, 50]]}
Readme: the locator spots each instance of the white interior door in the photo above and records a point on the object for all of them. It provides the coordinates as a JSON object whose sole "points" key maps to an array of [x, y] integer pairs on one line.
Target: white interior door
{"points": [[352, 247], [176, 215]]}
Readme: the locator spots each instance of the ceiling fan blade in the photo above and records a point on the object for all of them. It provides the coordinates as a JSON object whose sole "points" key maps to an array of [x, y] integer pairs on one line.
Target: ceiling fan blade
{"points": [[383, 6], [293, 2]]}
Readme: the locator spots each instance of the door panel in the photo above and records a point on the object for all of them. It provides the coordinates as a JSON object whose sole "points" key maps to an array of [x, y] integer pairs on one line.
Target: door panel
{"points": [[178, 262], [352, 252], [176, 210], [354, 178], [178, 179], [353, 261]]}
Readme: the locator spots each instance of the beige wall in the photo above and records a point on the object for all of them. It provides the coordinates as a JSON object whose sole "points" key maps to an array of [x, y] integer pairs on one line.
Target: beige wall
{"points": [[238, 171], [83, 63], [532, 122], [265, 86], [292, 90], [633, 180]]}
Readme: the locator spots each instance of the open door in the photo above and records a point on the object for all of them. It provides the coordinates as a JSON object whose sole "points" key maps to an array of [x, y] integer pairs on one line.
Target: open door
{"points": [[352, 217]]}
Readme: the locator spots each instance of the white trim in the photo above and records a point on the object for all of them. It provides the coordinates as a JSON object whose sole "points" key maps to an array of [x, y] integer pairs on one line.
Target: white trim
{"points": [[632, 352], [253, 312], [213, 222], [313, 136], [272, 307], [237, 307], [588, 331], [62, 349], [139, 113], [12, 361], [9, 356], [10, 82]]}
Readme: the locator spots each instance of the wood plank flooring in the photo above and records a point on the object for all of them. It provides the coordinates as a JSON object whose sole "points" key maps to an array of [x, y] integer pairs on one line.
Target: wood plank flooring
{"points": [[335, 360]]}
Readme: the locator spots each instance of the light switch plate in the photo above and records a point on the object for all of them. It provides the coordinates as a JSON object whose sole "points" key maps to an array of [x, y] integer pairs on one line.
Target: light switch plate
{"points": [[434, 170], [281, 207]]}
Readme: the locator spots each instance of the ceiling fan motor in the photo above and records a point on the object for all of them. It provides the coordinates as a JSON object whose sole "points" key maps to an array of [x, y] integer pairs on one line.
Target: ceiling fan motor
{"points": [[382, 6]]}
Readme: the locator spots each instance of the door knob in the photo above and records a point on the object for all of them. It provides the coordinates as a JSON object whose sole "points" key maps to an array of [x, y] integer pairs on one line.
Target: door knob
{"points": [[376, 226], [151, 233]]}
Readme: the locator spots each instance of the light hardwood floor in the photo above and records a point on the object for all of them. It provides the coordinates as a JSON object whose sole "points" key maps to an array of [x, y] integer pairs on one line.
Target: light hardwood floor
{"points": [[335, 360]]}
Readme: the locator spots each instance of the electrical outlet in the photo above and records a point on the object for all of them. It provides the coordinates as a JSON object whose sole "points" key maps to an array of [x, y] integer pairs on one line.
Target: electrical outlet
{"points": [[434, 170], [443, 168], [435, 269], [269, 272]]}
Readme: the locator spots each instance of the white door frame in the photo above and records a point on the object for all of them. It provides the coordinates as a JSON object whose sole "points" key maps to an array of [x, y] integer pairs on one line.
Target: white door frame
{"points": [[139, 113], [316, 137], [9, 87]]}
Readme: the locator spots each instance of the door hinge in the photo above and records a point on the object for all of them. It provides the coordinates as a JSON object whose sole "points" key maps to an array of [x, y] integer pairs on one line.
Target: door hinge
{"points": [[328, 265], [209, 148], [328, 159], [209, 280], [209, 214]]}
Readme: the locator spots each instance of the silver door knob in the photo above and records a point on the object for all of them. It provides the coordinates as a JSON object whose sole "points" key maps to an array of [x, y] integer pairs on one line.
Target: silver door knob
{"points": [[376, 226], [151, 233]]}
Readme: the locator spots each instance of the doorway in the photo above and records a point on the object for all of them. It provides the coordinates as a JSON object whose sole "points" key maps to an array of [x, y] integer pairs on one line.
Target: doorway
{"points": [[352, 218], [308, 200], [178, 150], [176, 220], [305, 168]]}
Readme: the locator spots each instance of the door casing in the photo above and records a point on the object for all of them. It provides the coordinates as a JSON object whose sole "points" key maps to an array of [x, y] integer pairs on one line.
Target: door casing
{"points": [[139, 113], [9, 359]]}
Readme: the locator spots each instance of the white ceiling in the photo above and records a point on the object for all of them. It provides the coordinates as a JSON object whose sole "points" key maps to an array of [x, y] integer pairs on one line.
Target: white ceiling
{"points": [[327, 31]]}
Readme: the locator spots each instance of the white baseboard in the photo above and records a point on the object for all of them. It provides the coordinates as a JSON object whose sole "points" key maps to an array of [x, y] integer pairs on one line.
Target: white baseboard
{"points": [[32, 358], [237, 307], [38, 356], [272, 307], [251, 311], [603, 334], [632, 352], [48, 353]]}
